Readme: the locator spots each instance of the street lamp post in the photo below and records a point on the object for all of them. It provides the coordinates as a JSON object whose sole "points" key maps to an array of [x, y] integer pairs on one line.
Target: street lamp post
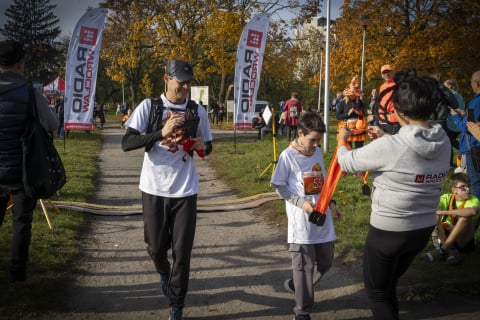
{"points": [[364, 18], [320, 76], [327, 80], [123, 93]]}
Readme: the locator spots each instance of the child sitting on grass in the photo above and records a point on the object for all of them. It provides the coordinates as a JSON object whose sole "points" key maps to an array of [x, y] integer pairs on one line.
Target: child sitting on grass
{"points": [[456, 217]]}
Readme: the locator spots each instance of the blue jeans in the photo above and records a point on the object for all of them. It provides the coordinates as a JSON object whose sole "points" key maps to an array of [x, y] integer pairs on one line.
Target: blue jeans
{"points": [[22, 215]]}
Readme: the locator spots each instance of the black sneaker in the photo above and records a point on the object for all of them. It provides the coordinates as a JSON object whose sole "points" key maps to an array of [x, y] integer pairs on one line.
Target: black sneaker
{"points": [[453, 256], [302, 317], [288, 285], [176, 314]]}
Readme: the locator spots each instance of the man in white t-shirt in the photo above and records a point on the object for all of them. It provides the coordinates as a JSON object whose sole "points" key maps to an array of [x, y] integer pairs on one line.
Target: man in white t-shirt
{"points": [[169, 179]]}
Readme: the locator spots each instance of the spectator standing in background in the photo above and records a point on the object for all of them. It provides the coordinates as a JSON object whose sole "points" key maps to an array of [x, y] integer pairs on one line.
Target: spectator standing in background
{"points": [[292, 108]]}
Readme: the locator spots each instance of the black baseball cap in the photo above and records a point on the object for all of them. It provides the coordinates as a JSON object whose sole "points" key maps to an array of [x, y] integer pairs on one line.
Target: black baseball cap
{"points": [[180, 70], [11, 52]]}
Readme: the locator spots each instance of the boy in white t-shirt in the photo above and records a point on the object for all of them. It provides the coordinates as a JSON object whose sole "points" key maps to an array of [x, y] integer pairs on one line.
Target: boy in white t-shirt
{"points": [[298, 178]]}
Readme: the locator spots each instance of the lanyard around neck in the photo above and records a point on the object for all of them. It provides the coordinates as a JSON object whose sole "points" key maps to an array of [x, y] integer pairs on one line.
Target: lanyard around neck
{"points": [[294, 144], [452, 206]]}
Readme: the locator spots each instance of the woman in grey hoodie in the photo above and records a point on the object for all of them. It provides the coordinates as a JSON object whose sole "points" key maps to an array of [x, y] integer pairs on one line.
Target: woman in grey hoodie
{"points": [[408, 170]]}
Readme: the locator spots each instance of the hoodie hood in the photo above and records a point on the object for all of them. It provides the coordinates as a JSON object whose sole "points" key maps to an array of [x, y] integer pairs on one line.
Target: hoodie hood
{"points": [[427, 143], [10, 80]]}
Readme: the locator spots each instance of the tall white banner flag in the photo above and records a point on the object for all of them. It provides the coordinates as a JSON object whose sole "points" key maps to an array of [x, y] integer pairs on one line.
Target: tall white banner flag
{"points": [[248, 69], [81, 71]]}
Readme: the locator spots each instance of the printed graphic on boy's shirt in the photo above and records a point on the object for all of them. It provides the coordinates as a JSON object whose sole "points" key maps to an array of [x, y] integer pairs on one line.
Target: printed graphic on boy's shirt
{"points": [[313, 180]]}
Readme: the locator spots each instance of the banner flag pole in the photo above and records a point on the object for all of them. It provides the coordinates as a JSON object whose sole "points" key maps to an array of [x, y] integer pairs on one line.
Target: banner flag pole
{"points": [[248, 68], [81, 70]]}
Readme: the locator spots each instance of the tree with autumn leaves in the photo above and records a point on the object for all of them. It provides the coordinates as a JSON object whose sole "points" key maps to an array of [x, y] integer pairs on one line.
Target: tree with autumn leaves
{"points": [[431, 36], [141, 36]]}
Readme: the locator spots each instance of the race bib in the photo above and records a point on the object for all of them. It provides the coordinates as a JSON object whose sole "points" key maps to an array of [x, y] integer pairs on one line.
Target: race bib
{"points": [[313, 180]]}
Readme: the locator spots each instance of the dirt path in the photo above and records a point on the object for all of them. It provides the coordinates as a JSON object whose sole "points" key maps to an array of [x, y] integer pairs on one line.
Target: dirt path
{"points": [[238, 266]]}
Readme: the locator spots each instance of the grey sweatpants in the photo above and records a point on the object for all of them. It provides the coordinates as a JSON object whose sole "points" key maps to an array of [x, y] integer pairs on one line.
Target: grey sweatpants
{"points": [[309, 263]]}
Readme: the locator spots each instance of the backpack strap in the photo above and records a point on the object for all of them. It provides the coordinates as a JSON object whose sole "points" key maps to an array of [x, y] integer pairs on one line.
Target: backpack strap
{"points": [[191, 119], [155, 119], [156, 114], [32, 112]]}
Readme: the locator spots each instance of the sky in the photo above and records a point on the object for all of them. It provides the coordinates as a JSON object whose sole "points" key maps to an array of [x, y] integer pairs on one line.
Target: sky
{"points": [[70, 11]]}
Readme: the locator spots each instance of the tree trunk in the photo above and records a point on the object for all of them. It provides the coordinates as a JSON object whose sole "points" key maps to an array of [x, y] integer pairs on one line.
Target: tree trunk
{"points": [[133, 92], [221, 93]]}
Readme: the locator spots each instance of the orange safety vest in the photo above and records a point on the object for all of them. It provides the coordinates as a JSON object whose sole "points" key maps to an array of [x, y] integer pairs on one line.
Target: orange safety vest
{"points": [[386, 113]]}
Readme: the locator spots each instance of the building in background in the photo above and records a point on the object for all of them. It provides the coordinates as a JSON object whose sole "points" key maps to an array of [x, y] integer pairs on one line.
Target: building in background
{"points": [[310, 43]]}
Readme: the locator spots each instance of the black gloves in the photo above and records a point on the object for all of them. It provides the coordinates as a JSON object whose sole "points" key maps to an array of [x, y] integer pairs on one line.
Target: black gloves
{"points": [[317, 218]]}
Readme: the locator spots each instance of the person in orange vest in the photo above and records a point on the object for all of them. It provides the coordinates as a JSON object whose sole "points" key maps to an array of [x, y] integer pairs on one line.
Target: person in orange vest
{"points": [[387, 120]]}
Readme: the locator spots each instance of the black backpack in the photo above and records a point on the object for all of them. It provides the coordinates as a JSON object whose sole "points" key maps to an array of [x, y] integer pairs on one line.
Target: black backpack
{"points": [[155, 121]]}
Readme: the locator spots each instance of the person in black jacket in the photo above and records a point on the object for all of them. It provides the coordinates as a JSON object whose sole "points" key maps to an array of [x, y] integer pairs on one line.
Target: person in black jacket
{"points": [[14, 93]]}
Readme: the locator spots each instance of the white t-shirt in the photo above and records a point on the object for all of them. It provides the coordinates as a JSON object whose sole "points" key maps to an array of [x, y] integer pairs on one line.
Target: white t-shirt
{"points": [[302, 175], [165, 173]]}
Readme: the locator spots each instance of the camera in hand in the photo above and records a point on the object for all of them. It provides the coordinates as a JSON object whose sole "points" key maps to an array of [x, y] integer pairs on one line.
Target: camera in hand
{"points": [[470, 115]]}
